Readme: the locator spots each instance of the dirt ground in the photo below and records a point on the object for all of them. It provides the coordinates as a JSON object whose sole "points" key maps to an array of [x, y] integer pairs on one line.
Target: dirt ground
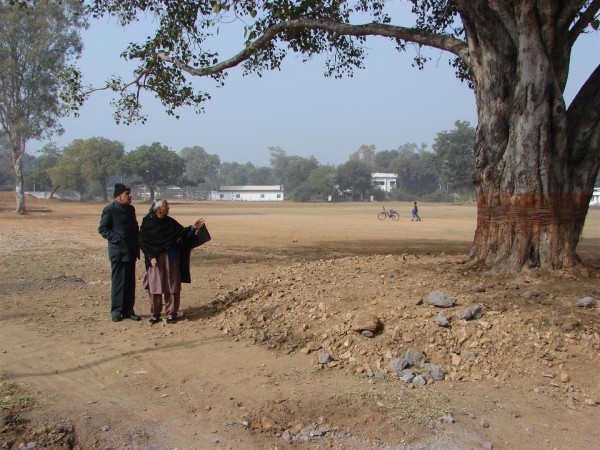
{"points": [[271, 350]]}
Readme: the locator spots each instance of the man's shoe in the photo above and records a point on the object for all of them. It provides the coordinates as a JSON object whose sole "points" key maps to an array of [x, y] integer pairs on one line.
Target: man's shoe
{"points": [[154, 320], [116, 318], [171, 319], [134, 317]]}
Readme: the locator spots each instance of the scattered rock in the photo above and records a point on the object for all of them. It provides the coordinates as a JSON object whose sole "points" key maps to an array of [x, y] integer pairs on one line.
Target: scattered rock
{"points": [[441, 320], [446, 419], [407, 377], [364, 322], [586, 302], [470, 313], [434, 371], [414, 367], [323, 357], [475, 288], [456, 359], [267, 423], [419, 381], [440, 300]]}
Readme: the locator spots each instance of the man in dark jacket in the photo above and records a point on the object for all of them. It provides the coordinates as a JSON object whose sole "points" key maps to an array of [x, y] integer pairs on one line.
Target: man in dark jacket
{"points": [[119, 226]]}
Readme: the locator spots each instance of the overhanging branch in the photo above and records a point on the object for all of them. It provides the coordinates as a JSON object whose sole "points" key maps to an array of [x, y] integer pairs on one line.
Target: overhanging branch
{"points": [[446, 43], [583, 114], [583, 21]]}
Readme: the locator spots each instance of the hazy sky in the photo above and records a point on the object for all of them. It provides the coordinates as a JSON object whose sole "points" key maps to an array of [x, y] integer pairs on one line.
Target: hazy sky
{"points": [[388, 104]]}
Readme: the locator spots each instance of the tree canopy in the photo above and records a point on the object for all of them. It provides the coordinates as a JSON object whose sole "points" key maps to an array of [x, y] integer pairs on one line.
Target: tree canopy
{"points": [[200, 166], [454, 159], [49, 156], [355, 176], [155, 165]]}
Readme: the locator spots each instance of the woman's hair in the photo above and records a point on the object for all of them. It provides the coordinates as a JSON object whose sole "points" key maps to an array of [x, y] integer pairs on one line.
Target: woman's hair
{"points": [[157, 203]]}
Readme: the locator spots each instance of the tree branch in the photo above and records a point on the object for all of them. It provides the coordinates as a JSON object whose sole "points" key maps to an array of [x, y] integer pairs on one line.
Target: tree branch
{"points": [[582, 22], [446, 43], [583, 115]]}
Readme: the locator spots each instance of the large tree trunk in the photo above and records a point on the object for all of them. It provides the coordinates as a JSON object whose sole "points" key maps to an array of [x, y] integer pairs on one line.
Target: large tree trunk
{"points": [[102, 181], [17, 152], [532, 190]]}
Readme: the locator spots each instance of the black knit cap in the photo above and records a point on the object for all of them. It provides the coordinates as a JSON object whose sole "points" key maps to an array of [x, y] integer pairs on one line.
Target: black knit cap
{"points": [[119, 189]]}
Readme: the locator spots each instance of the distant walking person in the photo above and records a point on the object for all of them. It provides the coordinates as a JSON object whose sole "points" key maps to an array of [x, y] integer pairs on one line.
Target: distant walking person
{"points": [[415, 213], [119, 226]]}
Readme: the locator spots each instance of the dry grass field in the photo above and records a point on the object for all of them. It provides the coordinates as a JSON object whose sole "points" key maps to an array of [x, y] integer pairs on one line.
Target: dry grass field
{"points": [[277, 285]]}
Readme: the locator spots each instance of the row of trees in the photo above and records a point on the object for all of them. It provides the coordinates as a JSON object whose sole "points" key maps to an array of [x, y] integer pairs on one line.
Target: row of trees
{"points": [[87, 167]]}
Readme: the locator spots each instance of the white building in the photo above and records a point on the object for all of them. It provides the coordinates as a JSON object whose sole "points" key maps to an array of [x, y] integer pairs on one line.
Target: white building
{"points": [[385, 181], [595, 201], [248, 193]]}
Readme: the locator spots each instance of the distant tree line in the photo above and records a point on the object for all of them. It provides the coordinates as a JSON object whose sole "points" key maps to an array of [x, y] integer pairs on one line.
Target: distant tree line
{"points": [[90, 166]]}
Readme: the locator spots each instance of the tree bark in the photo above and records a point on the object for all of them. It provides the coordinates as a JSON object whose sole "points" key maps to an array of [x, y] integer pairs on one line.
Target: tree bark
{"points": [[532, 193], [17, 152], [102, 181]]}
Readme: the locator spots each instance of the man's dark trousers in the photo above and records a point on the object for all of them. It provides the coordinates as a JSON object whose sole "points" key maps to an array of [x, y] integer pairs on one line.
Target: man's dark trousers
{"points": [[123, 288]]}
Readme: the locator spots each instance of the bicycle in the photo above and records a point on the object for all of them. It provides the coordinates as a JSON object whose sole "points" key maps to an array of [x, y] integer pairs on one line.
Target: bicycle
{"points": [[391, 213]]}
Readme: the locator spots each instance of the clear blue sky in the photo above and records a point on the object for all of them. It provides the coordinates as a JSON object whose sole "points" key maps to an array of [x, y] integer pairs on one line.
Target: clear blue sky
{"points": [[388, 104]]}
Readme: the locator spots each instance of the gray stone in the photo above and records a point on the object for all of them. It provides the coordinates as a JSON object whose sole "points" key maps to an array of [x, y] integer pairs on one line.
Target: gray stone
{"points": [[475, 288], [471, 312], [397, 365], [407, 377], [367, 333], [440, 300], [586, 302], [436, 372], [287, 436], [441, 320], [412, 358], [530, 294], [446, 419], [323, 357], [419, 381]]}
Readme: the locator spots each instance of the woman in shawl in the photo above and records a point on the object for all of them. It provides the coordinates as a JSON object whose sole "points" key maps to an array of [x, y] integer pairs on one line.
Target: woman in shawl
{"points": [[161, 240]]}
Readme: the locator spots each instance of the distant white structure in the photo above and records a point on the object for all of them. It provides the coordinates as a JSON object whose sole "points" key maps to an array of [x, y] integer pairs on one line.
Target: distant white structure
{"points": [[595, 201], [385, 181], [248, 193]]}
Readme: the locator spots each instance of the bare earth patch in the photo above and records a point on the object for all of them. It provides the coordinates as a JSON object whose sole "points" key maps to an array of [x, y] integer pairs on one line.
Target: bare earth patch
{"points": [[292, 329]]}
